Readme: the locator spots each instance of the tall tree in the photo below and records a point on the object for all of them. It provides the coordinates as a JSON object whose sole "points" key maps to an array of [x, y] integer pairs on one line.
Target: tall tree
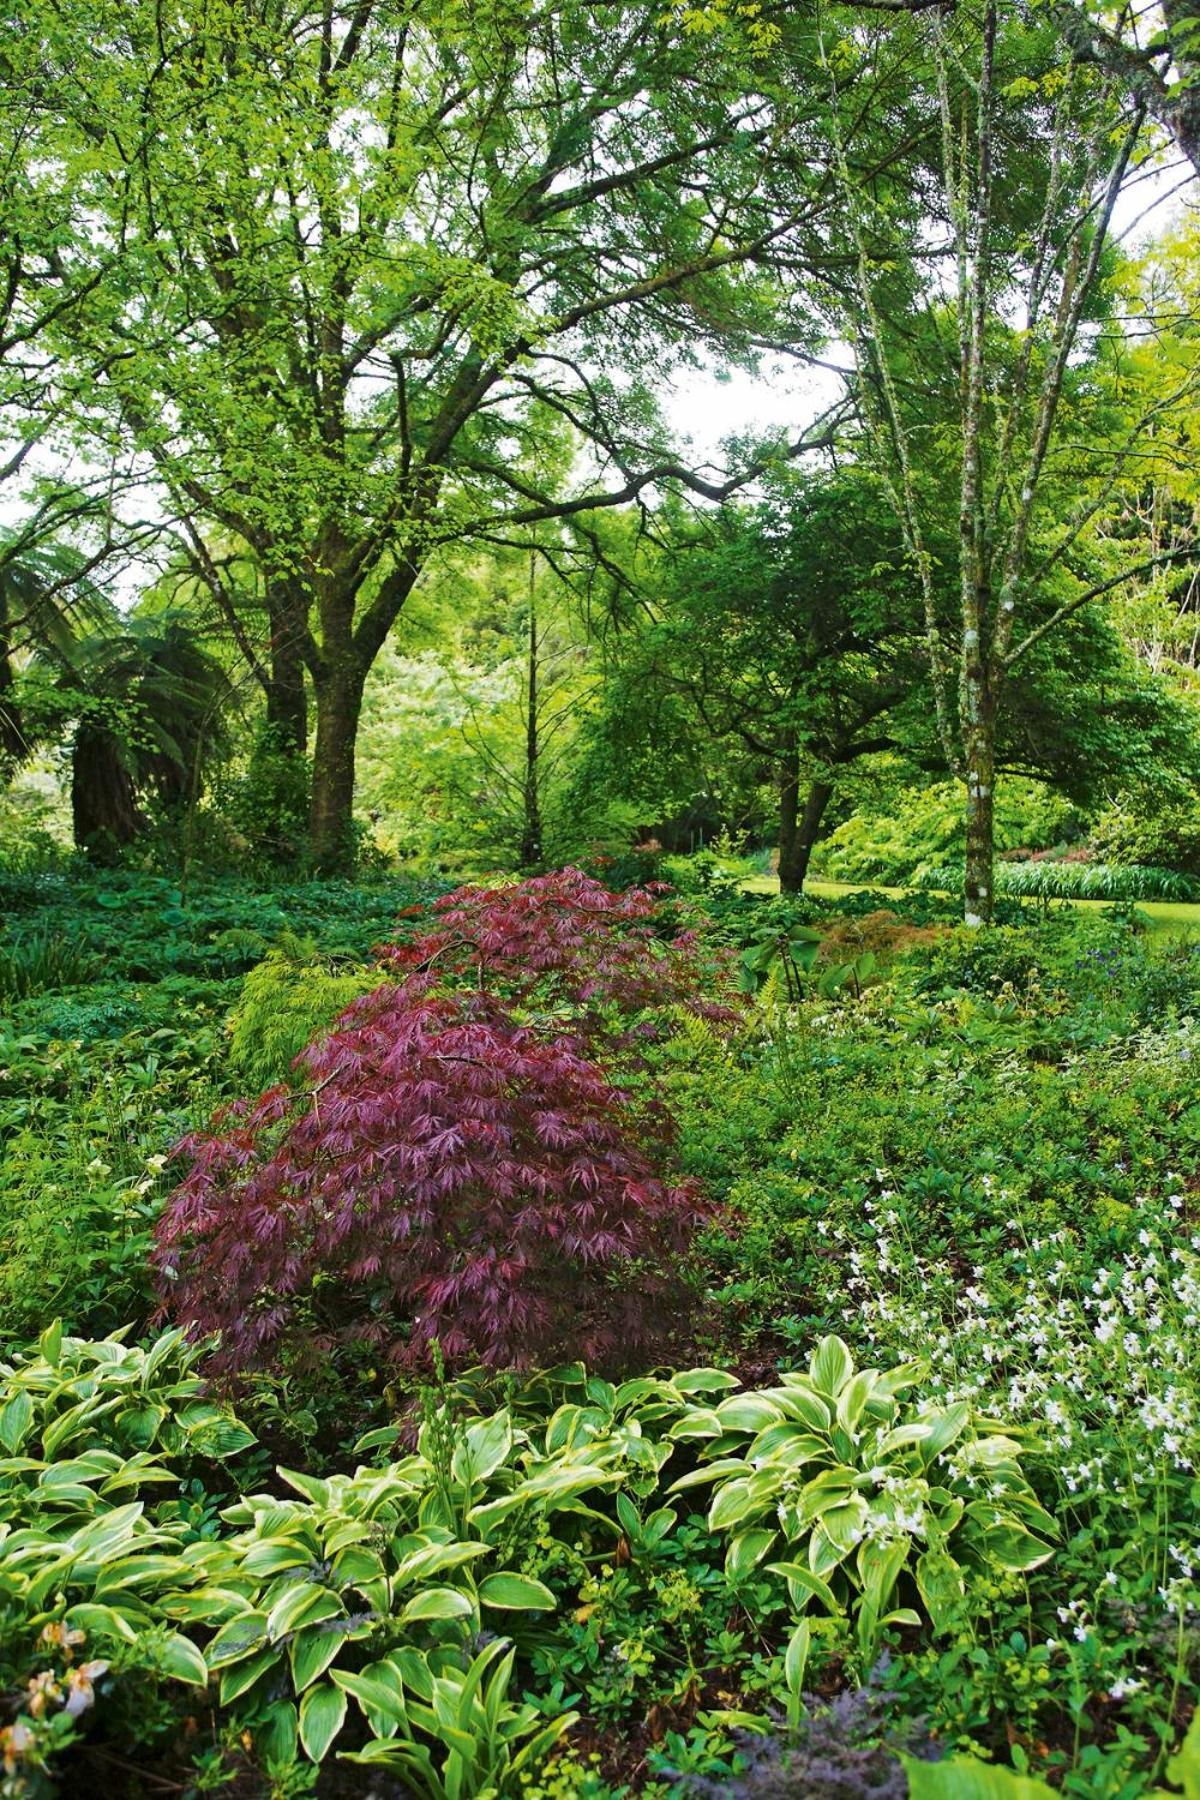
{"points": [[792, 633], [1023, 236], [383, 253]]}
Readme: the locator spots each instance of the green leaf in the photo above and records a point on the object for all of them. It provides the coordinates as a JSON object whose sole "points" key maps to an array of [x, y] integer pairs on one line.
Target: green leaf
{"points": [[1015, 1548], [379, 1691], [437, 1603], [16, 1420], [277, 1731], [944, 1428], [311, 1651], [50, 1343], [853, 1399], [222, 1438], [736, 1501], [303, 1603], [703, 1381], [181, 1659], [831, 1366], [241, 1677], [483, 1450], [965, 1778], [746, 1550], [940, 1585], [322, 1715], [101, 1621], [804, 1585], [747, 1412], [1184, 1767], [517, 1593], [239, 1638], [270, 1556], [795, 1661]]}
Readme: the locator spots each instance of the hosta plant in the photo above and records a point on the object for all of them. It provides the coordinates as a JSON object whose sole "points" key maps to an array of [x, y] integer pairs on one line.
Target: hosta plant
{"points": [[323, 1584], [85, 1422], [862, 1502], [453, 1733], [96, 1563], [353, 1582]]}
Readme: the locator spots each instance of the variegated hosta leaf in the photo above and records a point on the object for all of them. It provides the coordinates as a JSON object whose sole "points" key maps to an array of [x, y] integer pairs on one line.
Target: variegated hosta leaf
{"points": [[875, 1501]]}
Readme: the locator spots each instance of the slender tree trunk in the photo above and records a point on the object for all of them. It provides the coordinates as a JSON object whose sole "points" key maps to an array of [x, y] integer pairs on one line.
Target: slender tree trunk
{"points": [[287, 702], [12, 737], [979, 744], [531, 827], [799, 827], [331, 819]]}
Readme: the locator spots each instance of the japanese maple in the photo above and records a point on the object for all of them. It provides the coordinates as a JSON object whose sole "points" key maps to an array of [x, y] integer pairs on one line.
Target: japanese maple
{"points": [[565, 939], [450, 1167]]}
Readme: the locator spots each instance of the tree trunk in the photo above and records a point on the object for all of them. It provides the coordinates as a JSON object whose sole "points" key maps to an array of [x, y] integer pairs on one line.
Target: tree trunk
{"points": [[798, 830], [287, 703], [12, 737], [331, 817], [979, 744], [531, 824], [104, 809]]}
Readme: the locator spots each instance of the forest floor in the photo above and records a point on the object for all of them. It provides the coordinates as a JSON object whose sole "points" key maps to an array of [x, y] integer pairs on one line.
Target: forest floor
{"points": [[966, 1191]]}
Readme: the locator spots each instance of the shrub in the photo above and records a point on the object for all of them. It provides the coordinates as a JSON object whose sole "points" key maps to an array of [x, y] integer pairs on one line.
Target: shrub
{"points": [[1164, 836], [459, 1169], [287, 1001], [566, 940], [981, 962], [926, 824], [44, 960]]}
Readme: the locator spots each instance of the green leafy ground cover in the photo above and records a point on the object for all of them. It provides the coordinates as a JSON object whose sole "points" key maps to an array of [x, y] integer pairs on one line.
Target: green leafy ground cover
{"points": [[914, 1484]]}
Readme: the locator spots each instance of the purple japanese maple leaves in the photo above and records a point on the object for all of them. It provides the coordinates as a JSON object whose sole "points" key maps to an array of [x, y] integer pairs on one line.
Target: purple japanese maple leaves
{"points": [[460, 1161]]}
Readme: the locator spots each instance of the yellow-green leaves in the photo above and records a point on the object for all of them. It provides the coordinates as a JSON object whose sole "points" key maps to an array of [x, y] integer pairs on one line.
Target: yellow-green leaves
{"points": [[322, 1714], [520, 1593], [872, 1499]]}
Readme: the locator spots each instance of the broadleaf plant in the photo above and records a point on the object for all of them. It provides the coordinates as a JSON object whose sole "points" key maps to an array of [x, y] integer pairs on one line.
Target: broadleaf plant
{"points": [[861, 1502]]}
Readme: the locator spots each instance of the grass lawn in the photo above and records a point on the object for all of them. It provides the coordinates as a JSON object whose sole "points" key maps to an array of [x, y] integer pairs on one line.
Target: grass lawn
{"points": [[1169, 918]]}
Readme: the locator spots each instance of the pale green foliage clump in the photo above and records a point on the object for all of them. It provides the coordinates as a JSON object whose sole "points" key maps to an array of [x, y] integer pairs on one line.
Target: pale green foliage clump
{"points": [[287, 1001], [854, 1489]]}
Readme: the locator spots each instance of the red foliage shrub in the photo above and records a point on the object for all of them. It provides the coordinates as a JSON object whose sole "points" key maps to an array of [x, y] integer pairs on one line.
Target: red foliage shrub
{"points": [[455, 1171], [565, 939]]}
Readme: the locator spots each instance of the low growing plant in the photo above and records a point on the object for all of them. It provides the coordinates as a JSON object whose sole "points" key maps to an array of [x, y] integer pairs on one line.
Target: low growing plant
{"points": [[864, 1503]]}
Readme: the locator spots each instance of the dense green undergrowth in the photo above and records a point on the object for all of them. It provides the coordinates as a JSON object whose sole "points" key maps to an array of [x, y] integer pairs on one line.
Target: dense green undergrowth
{"points": [[921, 1486]]}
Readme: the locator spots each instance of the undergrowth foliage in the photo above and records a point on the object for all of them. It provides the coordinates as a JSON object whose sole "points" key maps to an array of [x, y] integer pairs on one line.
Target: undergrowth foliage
{"points": [[454, 1165]]}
